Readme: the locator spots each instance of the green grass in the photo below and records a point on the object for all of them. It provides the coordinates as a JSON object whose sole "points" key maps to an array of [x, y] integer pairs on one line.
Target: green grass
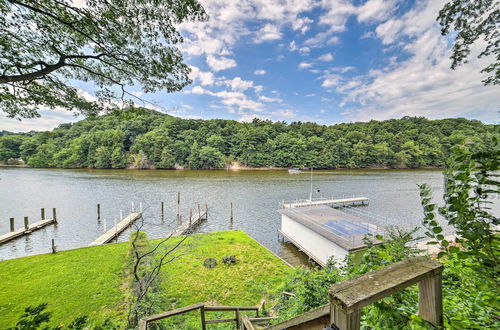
{"points": [[89, 281]]}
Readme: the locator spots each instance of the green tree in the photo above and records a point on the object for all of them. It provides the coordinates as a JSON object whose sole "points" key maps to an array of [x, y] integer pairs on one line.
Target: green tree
{"points": [[10, 146], [471, 20], [45, 43]]}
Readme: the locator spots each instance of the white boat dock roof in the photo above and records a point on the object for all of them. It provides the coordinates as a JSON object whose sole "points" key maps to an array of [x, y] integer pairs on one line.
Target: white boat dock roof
{"points": [[341, 228]]}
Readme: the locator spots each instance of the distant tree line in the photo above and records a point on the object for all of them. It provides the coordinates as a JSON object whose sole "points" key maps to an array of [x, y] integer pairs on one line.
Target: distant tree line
{"points": [[142, 138]]}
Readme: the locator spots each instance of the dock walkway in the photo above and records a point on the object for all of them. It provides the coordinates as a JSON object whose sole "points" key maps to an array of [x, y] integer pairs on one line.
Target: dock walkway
{"points": [[187, 226], [116, 230], [332, 201], [26, 230]]}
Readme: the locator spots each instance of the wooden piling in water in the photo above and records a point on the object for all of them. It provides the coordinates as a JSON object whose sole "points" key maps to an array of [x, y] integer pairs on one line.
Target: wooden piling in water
{"points": [[179, 206], [53, 246], [162, 210], [26, 224], [98, 211], [42, 214], [231, 218], [12, 224], [54, 214]]}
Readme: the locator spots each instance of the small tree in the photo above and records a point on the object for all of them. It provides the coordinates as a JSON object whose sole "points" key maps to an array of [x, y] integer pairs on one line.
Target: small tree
{"points": [[470, 184], [147, 259]]}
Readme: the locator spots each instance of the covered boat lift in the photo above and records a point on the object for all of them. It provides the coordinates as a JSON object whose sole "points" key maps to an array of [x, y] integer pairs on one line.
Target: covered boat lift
{"points": [[322, 232]]}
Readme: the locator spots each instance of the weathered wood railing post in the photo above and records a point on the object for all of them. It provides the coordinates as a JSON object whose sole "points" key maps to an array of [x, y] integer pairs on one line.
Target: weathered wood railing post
{"points": [[12, 224], [54, 214], [349, 297], [202, 316], [430, 299], [26, 224], [42, 215]]}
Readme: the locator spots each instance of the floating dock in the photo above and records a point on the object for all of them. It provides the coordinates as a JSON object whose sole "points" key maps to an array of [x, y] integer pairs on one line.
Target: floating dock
{"points": [[116, 230], [26, 230], [188, 226], [322, 232], [333, 202]]}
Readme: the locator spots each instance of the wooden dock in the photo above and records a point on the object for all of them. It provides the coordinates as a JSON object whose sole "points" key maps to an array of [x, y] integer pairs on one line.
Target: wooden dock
{"points": [[116, 230], [333, 202], [26, 230], [188, 226]]}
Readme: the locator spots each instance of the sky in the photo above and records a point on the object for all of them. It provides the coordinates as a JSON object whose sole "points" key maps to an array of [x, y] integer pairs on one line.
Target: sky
{"points": [[326, 61]]}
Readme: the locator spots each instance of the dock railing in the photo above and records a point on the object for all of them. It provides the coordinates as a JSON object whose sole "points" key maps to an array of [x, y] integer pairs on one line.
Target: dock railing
{"points": [[349, 297], [242, 321]]}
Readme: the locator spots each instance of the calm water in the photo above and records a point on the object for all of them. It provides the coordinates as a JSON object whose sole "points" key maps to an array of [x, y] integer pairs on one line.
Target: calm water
{"points": [[256, 195]]}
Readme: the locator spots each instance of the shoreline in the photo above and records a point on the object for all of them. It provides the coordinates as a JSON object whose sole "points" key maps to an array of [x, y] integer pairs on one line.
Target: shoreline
{"points": [[235, 169]]}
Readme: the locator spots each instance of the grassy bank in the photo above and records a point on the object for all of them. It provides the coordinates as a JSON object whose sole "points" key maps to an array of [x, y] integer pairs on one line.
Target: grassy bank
{"points": [[89, 281]]}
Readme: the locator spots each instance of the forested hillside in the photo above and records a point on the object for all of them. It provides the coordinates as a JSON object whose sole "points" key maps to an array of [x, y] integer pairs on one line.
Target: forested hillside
{"points": [[142, 138]]}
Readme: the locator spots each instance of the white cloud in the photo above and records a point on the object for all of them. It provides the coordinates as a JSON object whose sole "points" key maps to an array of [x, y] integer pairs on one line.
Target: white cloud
{"points": [[304, 51], [284, 114], [293, 46], [259, 72], [270, 99], [205, 78], [269, 32], [220, 63], [304, 65], [238, 84], [423, 84], [326, 58]]}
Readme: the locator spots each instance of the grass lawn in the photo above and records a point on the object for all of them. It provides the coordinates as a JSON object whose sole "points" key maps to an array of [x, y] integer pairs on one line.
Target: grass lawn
{"points": [[89, 281]]}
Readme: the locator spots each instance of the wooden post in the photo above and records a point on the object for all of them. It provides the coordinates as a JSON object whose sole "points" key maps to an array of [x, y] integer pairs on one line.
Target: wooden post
{"points": [[26, 223], [11, 224], [231, 217], [190, 216], [53, 246], [199, 212], [42, 211], [162, 210], [206, 212], [202, 315], [430, 300], [178, 206], [237, 317], [143, 325], [54, 214], [344, 320], [98, 211]]}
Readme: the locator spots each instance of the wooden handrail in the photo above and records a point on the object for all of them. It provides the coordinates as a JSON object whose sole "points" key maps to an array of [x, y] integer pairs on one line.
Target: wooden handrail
{"points": [[348, 297], [247, 325], [143, 323]]}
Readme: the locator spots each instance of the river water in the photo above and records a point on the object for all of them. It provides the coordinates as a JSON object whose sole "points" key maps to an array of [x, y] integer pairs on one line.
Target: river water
{"points": [[256, 196]]}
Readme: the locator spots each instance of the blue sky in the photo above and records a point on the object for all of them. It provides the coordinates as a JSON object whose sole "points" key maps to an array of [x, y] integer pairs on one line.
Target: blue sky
{"points": [[316, 60]]}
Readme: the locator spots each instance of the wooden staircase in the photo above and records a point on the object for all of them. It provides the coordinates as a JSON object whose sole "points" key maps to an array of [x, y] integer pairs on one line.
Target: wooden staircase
{"points": [[346, 300]]}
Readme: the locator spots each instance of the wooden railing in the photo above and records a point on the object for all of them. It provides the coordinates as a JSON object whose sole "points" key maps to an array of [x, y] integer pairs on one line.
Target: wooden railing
{"points": [[242, 321], [349, 297]]}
